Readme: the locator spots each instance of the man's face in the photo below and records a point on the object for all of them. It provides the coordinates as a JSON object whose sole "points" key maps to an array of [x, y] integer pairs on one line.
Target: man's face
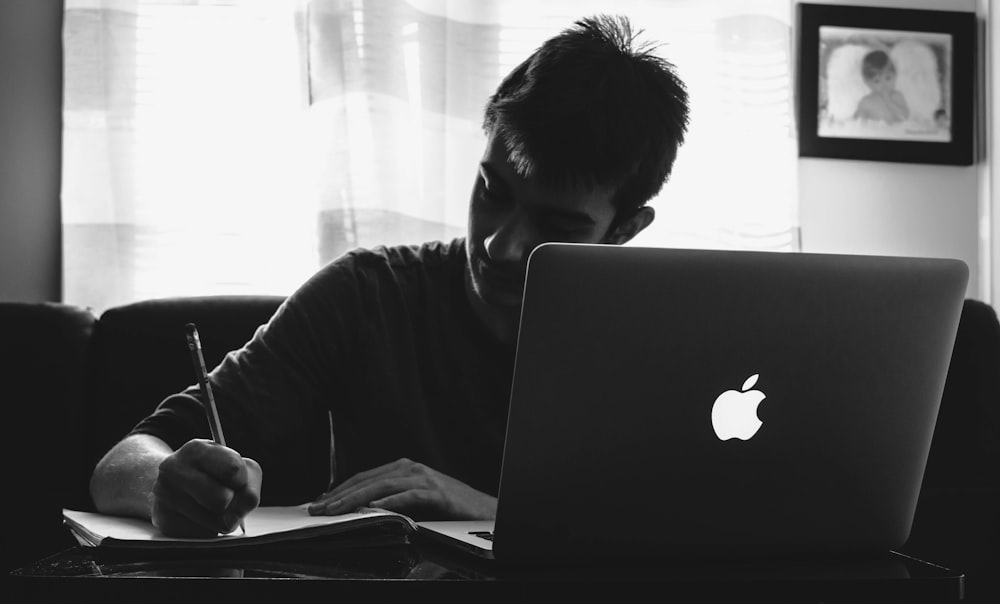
{"points": [[509, 216]]}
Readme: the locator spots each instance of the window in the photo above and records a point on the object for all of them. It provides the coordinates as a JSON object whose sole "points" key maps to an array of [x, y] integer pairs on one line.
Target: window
{"points": [[236, 146]]}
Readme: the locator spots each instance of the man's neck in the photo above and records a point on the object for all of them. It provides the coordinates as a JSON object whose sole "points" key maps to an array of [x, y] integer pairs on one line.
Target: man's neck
{"points": [[501, 323]]}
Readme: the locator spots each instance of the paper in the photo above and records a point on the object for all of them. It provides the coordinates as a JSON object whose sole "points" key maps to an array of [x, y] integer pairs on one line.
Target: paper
{"points": [[263, 525]]}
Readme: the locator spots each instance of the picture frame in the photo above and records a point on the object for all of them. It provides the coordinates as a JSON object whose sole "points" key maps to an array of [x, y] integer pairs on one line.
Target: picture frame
{"points": [[886, 84]]}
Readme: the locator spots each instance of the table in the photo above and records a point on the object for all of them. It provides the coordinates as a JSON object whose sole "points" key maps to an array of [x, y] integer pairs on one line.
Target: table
{"points": [[423, 570]]}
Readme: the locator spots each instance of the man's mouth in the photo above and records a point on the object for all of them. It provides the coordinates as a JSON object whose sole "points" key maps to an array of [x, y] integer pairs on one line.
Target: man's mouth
{"points": [[508, 283], [497, 274]]}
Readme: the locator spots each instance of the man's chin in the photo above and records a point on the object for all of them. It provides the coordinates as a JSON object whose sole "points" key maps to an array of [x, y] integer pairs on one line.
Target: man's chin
{"points": [[506, 294], [499, 298], [499, 310]]}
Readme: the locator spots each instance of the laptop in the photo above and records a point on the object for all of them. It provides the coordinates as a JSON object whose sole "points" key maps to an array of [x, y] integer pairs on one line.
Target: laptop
{"points": [[685, 403]]}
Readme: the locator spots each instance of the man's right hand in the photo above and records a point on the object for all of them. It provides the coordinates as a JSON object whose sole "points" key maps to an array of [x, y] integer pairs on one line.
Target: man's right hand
{"points": [[203, 489]]}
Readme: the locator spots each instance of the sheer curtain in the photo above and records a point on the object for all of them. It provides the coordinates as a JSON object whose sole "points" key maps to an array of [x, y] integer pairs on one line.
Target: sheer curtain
{"points": [[235, 146]]}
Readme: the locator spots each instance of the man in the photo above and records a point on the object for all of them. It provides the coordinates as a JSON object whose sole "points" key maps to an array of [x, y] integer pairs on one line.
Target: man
{"points": [[384, 380]]}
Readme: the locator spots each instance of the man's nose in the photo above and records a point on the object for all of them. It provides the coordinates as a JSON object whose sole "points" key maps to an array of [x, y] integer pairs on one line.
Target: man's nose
{"points": [[510, 243]]}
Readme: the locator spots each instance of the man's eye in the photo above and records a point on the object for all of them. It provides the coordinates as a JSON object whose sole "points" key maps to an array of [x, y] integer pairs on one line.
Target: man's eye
{"points": [[491, 195], [565, 228]]}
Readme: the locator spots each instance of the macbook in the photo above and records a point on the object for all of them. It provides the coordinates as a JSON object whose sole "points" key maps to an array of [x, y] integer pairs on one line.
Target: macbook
{"points": [[671, 402]]}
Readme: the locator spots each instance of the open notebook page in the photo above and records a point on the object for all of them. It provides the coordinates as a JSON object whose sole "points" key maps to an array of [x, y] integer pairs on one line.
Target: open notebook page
{"points": [[263, 525]]}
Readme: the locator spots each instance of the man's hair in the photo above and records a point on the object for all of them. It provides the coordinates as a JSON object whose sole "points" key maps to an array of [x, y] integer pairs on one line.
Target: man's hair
{"points": [[591, 108], [874, 63]]}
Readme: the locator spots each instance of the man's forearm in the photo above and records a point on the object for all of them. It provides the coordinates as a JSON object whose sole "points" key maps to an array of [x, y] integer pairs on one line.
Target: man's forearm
{"points": [[122, 481]]}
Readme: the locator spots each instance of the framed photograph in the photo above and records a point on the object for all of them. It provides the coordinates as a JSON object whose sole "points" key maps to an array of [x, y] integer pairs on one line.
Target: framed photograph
{"points": [[886, 84]]}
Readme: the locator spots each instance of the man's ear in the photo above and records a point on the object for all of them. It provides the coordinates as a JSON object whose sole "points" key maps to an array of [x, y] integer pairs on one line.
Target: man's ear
{"points": [[629, 224]]}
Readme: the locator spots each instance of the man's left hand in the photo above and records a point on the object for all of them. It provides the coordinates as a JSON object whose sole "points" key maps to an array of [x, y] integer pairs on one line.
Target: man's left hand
{"points": [[409, 488]]}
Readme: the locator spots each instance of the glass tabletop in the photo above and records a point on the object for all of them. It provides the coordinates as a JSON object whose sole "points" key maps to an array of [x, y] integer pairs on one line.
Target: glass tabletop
{"points": [[426, 568]]}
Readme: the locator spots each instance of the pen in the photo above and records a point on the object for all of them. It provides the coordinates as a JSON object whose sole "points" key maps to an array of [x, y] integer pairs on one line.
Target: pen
{"points": [[214, 424]]}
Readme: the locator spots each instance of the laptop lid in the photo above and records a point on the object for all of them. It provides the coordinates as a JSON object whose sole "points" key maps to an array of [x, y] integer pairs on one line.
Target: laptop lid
{"points": [[674, 402]]}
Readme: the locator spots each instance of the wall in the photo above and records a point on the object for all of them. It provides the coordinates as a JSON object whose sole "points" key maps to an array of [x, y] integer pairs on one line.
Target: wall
{"points": [[30, 139], [991, 220], [865, 207]]}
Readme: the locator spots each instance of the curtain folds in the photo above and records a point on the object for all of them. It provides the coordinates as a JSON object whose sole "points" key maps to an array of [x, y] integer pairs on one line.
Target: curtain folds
{"points": [[235, 146]]}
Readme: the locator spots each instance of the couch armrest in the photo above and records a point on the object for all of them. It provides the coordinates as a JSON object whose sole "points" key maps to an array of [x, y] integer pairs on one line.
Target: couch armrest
{"points": [[43, 355]]}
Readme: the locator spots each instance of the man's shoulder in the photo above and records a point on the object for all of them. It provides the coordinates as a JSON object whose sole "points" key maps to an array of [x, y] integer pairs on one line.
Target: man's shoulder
{"points": [[371, 269], [429, 256]]}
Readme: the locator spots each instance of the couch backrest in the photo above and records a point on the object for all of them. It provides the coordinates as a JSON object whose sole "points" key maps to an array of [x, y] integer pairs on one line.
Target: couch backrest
{"points": [[139, 356], [957, 520], [965, 451], [73, 385]]}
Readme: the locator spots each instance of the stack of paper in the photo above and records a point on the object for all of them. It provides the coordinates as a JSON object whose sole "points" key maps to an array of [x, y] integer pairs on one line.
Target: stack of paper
{"points": [[264, 525]]}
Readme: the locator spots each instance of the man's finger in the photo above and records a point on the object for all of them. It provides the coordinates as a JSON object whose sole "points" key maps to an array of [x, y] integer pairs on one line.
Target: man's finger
{"points": [[224, 465], [389, 469], [181, 476], [401, 468], [411, 501], [177, 525], [341, 497], [245, 500], [177, 511], [352, 499]]}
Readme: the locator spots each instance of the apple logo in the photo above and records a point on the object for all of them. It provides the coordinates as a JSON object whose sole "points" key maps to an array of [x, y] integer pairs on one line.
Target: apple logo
{"points": [[734, 414]]}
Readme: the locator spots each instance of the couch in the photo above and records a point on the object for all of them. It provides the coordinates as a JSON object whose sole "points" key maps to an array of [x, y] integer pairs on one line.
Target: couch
{"points": [[77, 382]]}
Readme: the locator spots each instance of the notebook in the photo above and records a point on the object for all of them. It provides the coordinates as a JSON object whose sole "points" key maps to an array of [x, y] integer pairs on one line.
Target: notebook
{"points": [[265, 526], [671, 402]]}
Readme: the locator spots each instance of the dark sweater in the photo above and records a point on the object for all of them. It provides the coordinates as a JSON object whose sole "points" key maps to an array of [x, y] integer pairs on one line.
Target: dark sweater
{"points": [[380, 350]]}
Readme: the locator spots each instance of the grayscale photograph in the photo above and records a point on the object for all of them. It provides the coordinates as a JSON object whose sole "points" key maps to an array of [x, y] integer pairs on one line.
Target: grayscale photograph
{"points": [[883, 84]]}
